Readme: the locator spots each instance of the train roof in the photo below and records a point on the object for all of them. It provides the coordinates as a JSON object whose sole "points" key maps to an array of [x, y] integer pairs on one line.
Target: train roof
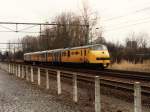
{"points": [[55, 50], [39, 52], [63, 49], [82, 47]]}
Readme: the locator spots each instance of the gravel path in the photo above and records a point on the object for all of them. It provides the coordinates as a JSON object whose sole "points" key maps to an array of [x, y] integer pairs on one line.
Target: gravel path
{"points": [[19, 96]]}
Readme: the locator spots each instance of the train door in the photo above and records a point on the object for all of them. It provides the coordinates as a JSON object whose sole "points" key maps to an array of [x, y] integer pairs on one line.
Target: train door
{"points": [[52, 57], [46, 56], [85, 54], [82, 58], [59, 57], [55, 57], [68, 54]]}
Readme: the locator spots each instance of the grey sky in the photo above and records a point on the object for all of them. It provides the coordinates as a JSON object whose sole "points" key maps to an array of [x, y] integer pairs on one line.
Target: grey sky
{"points": [[117, 17]]}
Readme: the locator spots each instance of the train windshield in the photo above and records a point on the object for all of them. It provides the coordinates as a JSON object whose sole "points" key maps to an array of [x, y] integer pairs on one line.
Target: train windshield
{"points": [[99, 47]]}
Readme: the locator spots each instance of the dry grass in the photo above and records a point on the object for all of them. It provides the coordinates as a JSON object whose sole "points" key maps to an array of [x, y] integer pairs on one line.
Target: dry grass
{"points": [[124, 65]]}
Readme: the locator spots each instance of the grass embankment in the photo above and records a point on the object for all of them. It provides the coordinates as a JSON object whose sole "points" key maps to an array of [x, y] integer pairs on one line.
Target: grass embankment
{"points": [[124, 65]]}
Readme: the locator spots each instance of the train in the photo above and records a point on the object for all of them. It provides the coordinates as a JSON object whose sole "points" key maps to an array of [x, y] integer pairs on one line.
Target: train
{"points": [[91, 55]]}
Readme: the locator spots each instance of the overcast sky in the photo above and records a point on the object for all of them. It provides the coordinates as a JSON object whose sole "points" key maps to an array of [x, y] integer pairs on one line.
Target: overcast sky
{"points": [[117, 17]]}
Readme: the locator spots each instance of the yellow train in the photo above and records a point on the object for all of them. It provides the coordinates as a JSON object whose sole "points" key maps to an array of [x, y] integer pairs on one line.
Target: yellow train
{"points": [[96, 55]]}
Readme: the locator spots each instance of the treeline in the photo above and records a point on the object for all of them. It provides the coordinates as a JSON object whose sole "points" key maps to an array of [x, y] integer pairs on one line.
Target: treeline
{"points": [[135, 48], [73, 30], [70, 31]]}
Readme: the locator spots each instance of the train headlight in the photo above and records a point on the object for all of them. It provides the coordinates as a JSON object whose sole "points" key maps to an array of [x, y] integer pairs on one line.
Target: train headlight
{"points": [[104, 65]]}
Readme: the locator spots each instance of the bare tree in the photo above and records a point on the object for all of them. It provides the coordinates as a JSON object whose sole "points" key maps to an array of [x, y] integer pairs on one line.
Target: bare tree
{"points": [[90, 19]]}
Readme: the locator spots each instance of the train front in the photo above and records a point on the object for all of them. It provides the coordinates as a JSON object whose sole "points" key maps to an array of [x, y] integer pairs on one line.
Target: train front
{"points": [[99, 55]]}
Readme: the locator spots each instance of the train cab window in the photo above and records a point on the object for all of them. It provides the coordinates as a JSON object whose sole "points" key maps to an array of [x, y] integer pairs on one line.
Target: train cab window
{"points": [[99, 47], [68, 53]]}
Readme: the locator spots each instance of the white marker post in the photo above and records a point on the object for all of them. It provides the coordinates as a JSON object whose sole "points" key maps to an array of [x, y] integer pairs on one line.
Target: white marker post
{"points": [[9, 68], [75, 91], [97, 95], [27, 73], [14, 69], [137, 97], [58, 83], [22, 74], [18, 70], [39, 77], [47, 79], [32, 77]]}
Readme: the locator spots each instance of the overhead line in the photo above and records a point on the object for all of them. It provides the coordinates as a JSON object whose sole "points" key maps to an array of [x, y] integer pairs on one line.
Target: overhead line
{"points": [[129, 21], [11, 43], [6, 28], [20, 31], [117, 17], [27, 28], [128, 25], [17, 23]]}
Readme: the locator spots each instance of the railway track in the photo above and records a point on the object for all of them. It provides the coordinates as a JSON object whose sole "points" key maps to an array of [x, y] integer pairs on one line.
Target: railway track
{"points": [[123, 80], [131, 75]]}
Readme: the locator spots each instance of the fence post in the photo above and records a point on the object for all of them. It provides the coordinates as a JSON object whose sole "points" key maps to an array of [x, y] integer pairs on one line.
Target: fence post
{"points": [[13, 71], [137, 97], [75, 91], [22, 74], [58, 83], [9, 68], [47, 79], [39, 77], [97, 95], [27, 73], [18, 70], [32, 78]]}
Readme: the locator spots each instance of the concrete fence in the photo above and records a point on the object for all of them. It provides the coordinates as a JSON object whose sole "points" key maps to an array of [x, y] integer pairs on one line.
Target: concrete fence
{"points": [[26, 72]]}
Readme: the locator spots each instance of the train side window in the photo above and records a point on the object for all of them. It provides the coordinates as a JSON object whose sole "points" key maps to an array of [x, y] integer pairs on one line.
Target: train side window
{"points": [[71, 53], [68, 53], [76, 52], [81, 52]]}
